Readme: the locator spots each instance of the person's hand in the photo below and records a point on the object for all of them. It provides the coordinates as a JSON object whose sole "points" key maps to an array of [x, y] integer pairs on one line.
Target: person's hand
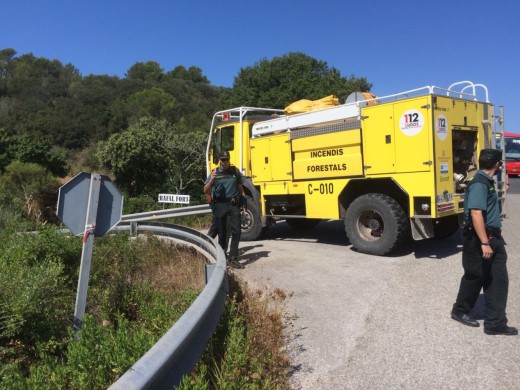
{"points": [[243, 203], [213, 175], [487, 252]]}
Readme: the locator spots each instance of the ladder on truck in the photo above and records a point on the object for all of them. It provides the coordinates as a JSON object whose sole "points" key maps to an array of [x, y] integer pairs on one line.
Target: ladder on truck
{"points": [[352, 109], [502, 178]]}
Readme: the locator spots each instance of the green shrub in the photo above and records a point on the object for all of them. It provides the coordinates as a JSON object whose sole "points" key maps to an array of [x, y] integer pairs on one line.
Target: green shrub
{"points": [[138, 289], [140, 204], [11, 217], [32, 189], [127, 311], [104, 351], [34, 305]]}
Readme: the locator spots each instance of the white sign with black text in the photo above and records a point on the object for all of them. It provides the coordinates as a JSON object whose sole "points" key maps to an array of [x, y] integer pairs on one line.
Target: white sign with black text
{"points": [[174, 198]]}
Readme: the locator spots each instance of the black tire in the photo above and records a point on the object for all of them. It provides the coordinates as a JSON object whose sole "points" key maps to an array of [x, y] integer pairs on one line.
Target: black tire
{"points": [[302, 223], [251, 222], [376, 224], [446, 227]]}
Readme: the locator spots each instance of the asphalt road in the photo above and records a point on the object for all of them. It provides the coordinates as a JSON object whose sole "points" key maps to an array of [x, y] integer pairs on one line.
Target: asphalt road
{"points": [[515, 185], [358, 321]]}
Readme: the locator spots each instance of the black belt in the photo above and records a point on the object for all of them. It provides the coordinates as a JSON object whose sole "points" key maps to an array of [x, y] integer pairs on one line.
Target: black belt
{"points": [[226, 200], [493, 231]]}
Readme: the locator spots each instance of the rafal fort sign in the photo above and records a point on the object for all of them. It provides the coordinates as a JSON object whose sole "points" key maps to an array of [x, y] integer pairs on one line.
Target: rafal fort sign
{"points": [[174, 198]]}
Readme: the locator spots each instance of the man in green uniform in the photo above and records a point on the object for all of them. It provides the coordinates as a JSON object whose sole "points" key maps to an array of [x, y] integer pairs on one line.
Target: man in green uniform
{"points": [[225, 186], [484, 256]]}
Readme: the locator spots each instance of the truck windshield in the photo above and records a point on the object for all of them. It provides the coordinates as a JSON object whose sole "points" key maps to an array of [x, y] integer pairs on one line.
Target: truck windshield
{"points": [[223, 139], [228, 138], [512, 148]]}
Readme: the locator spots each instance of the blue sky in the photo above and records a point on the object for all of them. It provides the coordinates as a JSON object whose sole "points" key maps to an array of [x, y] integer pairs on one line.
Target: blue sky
{"points": [[396, 45]]}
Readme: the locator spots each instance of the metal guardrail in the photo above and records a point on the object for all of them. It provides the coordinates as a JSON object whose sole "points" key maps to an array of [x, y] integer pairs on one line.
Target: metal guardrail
{"points": [[167, 213], [179, 349]]}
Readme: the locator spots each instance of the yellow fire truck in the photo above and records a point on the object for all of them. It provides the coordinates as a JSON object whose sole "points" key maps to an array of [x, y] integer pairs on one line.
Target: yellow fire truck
{"points": [[392, 167]]}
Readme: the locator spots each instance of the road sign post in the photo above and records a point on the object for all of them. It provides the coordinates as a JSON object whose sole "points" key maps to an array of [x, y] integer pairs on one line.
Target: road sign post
{"points": [[86, 253], [89, 204]]}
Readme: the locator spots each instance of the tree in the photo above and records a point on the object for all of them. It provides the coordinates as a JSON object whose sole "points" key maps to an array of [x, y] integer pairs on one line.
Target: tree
{"points": [[138, 157], [145, 71], [31, 188], [35, 99], [41, 153], [283, 80], [153, 102], [195, 103], [6, 63], [28, 150], [6, 150], [188, 161], [61, 123], [95, 96], [44, 78], [193, 74], [153, 157]]}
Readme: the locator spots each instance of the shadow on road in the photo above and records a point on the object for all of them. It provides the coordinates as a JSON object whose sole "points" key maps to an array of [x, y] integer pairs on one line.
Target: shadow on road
{"points": [[253, 256], [326, 232], [432, 248], [333, 233]]}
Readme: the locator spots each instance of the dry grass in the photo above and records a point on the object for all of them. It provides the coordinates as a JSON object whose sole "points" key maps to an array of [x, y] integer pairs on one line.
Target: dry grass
{"points": [[200, 222], [249, 345], [172, 267], [263, 312]]}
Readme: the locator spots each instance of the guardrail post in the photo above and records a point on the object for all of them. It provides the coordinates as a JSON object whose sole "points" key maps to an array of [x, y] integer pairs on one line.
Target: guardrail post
{"points": [[208, 271], [133, 228]]}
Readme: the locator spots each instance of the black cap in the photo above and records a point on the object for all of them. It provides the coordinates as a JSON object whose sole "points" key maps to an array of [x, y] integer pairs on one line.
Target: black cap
{"points": [[490, 155], [223, 154]]}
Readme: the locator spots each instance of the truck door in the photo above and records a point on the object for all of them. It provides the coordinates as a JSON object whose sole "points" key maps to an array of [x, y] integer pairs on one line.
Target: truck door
{"points": [[412, 123], [271, 158], [260, 164], [378, 139]]}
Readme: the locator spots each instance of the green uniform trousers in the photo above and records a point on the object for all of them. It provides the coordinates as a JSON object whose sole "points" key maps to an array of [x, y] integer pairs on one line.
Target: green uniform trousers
{"points": [[489, 275], [222, 213]]}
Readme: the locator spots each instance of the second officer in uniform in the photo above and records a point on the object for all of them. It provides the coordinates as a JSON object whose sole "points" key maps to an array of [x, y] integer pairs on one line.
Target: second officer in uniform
{"points": [[224, 184], [484, 255]]}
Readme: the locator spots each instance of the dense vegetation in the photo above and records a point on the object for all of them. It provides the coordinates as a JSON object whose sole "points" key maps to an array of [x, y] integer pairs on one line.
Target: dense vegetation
{"points": [[278, 82], [137, 291], [148, 131]]}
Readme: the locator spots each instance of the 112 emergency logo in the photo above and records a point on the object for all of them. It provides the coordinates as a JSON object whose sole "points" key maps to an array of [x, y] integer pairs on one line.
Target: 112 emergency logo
{"points": [[411, 122], [441, 127]]}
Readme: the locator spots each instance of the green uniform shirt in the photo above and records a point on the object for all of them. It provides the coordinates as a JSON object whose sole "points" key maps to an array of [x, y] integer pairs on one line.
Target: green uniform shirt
{"points": [[226, 184], [482, 195]]}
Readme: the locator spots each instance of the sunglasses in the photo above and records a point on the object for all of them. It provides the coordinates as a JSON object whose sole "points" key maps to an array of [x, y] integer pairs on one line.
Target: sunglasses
{"points": [[224, 159]]}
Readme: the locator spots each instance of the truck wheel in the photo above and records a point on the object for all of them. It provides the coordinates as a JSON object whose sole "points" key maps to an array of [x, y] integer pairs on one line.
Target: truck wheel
{"points": [[302, 223], [376, 224], [251, 222], [446, 227]]}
